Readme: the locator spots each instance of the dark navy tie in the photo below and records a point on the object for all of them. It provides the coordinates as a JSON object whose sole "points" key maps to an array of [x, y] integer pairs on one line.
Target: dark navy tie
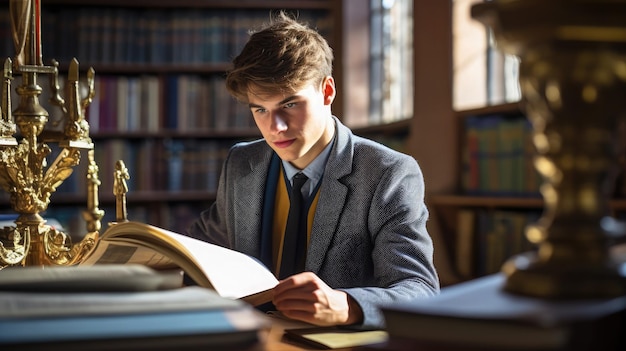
{"points": [[294, 242]]}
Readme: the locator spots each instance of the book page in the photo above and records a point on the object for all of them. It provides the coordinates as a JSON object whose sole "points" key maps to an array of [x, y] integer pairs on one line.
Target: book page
{"points": [[28, 304], [109, 252], [231, 273]]}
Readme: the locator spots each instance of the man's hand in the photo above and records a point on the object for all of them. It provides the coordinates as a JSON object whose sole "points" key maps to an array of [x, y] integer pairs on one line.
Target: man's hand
{"points": [[307, 298]]}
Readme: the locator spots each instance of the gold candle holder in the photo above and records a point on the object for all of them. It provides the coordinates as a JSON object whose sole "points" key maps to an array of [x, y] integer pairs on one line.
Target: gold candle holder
{"points": [[573, 81], [24, 172]]}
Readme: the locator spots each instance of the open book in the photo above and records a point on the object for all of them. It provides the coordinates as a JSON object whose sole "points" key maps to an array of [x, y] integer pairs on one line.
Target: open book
{"points": [[230, 273]]}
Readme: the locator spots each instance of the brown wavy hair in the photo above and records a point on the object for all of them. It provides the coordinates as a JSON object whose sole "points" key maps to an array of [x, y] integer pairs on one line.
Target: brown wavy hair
{"points": [[280, 58]]}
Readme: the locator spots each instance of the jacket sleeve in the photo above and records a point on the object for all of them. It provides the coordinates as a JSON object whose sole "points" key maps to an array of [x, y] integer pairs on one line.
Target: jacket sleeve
{"points": [[402, 254]]}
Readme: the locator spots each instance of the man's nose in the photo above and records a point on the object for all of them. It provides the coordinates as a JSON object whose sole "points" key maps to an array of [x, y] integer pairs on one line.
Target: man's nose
{"points": [[278, 123]]}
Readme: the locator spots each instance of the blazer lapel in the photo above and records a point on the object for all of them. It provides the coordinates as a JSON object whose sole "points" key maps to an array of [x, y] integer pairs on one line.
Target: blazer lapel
{"points": [[249, 194], [332, 199]]}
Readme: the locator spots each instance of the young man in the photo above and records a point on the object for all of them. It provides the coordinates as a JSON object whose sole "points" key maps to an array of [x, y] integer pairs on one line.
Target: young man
{"points": [[366, 238]]}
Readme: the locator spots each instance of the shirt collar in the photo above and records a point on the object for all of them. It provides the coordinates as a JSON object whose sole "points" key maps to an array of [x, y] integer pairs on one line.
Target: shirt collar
{"points": [[314, 171]]}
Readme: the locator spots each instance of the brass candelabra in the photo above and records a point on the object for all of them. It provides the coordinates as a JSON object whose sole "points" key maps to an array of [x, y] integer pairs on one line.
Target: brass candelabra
{"points": [[573, 81], [24, 147]]}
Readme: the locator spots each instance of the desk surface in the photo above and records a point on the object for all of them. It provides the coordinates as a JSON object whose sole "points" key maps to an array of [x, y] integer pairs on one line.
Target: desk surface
{"points": [[272, 338]]}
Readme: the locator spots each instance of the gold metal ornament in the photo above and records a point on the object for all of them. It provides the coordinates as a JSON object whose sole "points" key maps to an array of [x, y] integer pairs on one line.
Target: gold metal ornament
{"points": [[573, 80], [24, 172], [120, 188]]}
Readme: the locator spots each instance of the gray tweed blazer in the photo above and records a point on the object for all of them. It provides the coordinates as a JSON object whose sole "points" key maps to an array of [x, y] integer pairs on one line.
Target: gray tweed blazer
{"points": [[369, 234]]}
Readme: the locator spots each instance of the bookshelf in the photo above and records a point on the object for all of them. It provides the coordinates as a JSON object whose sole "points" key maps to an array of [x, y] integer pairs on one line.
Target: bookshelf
{"points": [[479, 223], [563, 265], [496, 193], [160, 104], [393, 134]]}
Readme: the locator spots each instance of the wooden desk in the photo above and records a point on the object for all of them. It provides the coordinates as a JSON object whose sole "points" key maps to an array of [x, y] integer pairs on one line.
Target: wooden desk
{"points": [[272, 339]]}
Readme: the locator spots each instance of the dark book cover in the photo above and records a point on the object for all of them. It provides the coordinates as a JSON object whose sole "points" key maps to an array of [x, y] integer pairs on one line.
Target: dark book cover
{"points": [[481, 313]]}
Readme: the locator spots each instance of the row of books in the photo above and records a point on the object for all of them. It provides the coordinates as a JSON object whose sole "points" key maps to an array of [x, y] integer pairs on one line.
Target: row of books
{"points": [[498, 156], [181, 103], [395, 142], [116, 35], [486, 239], [155, 103], [173, 216], [173, 165]]}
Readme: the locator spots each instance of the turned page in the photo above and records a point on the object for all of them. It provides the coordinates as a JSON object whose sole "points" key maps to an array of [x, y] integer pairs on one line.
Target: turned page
{"points": [[230, 273]]}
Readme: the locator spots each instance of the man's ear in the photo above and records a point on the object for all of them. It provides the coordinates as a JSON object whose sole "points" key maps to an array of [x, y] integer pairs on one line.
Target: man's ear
{"points": [[328, 89]]}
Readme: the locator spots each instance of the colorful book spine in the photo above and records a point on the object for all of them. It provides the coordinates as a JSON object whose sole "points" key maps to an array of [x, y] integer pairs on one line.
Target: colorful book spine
{"points": [[498, 157]]}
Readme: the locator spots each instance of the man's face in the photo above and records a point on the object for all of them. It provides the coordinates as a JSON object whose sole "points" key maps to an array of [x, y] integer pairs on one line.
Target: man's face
{"points": [[297, 126]]}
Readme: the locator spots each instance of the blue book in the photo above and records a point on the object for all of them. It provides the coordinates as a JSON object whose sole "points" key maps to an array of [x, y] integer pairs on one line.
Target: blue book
{"points": [[106, 307], [176, 329]]}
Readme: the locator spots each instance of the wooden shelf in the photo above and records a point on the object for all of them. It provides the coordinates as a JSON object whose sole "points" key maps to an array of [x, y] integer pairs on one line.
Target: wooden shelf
{"points": [[148, 68], [170, 134], [486, 201], [618, 204], [216, 4], [513, 107], [133, 197], [393, 128], [177, 196]]}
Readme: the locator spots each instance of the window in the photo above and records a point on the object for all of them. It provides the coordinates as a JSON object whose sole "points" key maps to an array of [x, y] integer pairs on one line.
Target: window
{"points": [[483, 75], [377, 61], [391, 60]]}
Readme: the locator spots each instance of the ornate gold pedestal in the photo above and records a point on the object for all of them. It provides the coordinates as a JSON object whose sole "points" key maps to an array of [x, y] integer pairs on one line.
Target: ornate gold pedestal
{"points": [[573, 81], [24, 172]]}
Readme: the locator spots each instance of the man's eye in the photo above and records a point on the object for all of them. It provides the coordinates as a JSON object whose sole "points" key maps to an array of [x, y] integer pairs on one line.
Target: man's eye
{"points": [[290, 104]]}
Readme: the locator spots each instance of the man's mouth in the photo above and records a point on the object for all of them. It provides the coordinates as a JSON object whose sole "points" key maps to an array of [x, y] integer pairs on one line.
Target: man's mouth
{"points": [[284, 143]]}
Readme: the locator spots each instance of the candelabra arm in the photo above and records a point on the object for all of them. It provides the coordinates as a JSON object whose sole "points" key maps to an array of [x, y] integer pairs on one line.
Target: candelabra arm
{"points": [[59, 249], [7, 125], [93, 214], [91, 92], [56, 98], [60, 169], [76, 127]]}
